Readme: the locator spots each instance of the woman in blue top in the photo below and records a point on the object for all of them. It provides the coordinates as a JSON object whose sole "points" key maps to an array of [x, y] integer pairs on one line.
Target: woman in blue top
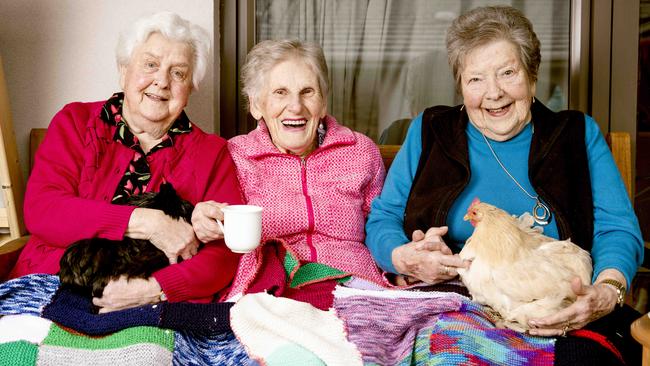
{"points": [[505, 147]]}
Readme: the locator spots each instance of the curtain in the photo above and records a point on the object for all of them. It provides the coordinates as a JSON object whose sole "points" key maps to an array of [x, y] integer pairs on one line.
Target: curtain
{"points": [[387, 58]]}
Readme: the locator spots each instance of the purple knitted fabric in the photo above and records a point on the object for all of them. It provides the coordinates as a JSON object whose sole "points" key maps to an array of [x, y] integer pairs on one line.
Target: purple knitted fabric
{"points": [[449, 330], [384, 329], [76, 312]]}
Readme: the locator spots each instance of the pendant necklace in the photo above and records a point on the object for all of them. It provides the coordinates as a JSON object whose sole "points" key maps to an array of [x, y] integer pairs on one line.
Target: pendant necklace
{"points": [[541, 212]]}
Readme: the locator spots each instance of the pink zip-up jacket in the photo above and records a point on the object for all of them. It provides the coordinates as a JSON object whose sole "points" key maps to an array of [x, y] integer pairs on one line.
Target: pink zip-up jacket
{"points": [[77, 169], [318, 205]]}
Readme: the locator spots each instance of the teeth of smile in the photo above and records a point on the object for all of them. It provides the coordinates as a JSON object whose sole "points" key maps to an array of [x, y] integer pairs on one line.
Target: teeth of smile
{"points": [[153, 96], [496, 110], [294, 123]]}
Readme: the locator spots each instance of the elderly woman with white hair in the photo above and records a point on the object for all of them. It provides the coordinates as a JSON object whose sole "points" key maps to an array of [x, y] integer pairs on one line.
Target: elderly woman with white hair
{"points": [[97, 154], [314, 178]]}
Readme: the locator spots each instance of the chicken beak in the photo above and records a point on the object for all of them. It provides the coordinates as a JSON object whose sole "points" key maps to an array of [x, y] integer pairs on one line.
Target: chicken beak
{"points": [[466, 217]]}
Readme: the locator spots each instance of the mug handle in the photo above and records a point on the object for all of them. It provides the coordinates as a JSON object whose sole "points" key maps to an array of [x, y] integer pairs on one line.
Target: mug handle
{"points": [[223, 230]]}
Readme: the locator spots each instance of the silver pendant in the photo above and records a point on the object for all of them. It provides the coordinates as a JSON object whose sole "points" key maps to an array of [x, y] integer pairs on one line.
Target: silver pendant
{"points": [[541, 213]]}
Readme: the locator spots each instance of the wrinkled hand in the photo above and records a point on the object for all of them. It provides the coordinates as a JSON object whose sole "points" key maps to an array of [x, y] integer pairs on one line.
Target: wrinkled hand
{"points": [[427, 257], [174, 237], [204, 219], [593, 302], [123, 294]]}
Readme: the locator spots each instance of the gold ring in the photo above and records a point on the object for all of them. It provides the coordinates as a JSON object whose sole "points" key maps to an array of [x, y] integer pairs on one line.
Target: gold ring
{"points": [[447, 271], [566, 328]]}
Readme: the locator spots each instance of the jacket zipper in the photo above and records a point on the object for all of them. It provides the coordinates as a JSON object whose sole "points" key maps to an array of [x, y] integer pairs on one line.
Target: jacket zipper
{"points": [[310, 210]]}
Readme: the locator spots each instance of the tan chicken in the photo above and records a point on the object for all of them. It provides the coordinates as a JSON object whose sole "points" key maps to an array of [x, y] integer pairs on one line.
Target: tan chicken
{"points": [[517, 271]]}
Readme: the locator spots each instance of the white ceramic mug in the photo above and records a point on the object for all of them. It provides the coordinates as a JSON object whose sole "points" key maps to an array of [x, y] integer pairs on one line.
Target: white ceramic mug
{"points": [[242, 227]]}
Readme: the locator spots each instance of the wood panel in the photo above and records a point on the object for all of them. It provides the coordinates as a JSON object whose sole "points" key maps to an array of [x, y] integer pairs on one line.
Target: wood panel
{"points": [[641, 332], [621, 147], [36, 136], [388, 153]]}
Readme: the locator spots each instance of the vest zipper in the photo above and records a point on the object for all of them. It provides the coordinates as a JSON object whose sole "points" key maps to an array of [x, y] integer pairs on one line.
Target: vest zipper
{"points": [[310, 210]]}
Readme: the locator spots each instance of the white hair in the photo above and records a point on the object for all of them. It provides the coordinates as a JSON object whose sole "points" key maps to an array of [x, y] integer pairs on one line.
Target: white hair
{"points": [[265, 55], [172, 27]]}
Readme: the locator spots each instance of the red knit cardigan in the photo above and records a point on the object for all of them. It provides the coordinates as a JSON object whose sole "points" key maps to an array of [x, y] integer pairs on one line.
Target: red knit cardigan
{"points": [[77, 169]]}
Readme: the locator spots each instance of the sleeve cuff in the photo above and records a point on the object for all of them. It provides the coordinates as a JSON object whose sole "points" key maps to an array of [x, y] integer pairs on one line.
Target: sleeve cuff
{"points": [[115, 220], [172, 284]]}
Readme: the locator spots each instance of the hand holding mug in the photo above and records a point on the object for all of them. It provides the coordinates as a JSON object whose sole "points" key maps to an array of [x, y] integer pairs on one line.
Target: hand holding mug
{"points": [[204, 219]]}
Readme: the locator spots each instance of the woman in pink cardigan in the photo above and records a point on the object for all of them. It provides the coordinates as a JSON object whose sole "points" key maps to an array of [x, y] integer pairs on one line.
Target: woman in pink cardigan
{"points": [[314, 178], [96, 154]]}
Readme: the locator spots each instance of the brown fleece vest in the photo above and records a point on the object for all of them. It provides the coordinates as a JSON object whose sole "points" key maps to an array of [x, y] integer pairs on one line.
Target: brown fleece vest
{"points": [[557, 167]]}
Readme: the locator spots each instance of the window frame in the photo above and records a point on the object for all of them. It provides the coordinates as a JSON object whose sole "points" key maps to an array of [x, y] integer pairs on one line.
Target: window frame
{"points": [[237, 37]]}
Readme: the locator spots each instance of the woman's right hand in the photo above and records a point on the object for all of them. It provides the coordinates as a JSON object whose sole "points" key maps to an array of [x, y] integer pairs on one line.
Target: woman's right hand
{"points": [[174, 237], [204, 220], [427, 257]]}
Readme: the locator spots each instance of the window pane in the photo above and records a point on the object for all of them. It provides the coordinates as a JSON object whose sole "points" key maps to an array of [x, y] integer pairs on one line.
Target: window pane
{"points": [[387, 58]]}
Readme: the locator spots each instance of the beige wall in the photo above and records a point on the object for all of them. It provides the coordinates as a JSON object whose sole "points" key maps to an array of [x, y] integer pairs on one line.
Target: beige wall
{"points": [[59, 51]]}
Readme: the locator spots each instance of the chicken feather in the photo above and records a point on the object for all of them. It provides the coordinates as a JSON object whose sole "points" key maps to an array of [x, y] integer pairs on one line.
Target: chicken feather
{"points": [[517, 271]]}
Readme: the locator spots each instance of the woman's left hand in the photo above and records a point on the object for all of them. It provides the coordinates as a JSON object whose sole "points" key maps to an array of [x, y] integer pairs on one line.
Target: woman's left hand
{"points": [[126, 293], [593, 302]]}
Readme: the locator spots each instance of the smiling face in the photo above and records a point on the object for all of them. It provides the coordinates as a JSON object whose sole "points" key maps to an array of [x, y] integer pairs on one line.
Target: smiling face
{"points": [[291, 104], [496, 90], [157, 83]]}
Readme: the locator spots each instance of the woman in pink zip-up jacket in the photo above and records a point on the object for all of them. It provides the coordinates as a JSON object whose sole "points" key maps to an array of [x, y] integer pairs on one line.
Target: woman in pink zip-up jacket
{"points": [[314, 178], [96, 154]]}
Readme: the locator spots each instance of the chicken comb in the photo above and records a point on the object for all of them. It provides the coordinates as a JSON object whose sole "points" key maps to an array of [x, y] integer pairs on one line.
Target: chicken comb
{"points": [[475, 202]]}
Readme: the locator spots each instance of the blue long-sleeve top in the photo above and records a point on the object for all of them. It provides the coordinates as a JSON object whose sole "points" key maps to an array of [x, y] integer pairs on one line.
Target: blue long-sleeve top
{"points": [[617, 240]]}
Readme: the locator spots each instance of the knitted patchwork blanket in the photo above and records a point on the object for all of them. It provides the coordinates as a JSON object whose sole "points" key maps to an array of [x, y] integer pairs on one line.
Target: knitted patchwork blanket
{"points": [[381, 327], [37, 321], [280, 331], [41, 324], [432, 328]]}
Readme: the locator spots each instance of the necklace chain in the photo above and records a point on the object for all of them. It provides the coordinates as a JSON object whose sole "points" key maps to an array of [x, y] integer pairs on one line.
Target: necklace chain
{"points": [[504, 168], [541, 212]]}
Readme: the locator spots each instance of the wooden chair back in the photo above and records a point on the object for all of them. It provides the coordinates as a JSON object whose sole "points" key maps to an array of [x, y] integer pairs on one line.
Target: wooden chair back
{"points": [[388, 153], [619, 143], [36, 136], [641, 332], [9, 245]]}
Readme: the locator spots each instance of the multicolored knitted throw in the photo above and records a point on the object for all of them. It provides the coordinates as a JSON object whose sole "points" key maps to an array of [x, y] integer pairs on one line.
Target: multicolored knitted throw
{"points": [[373, 327], [406, 328], [48, 343]]}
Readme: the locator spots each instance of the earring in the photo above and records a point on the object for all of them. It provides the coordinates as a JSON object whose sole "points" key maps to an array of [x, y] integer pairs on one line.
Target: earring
{"points": [[321, 133], [462, 107], [533, 100]]}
